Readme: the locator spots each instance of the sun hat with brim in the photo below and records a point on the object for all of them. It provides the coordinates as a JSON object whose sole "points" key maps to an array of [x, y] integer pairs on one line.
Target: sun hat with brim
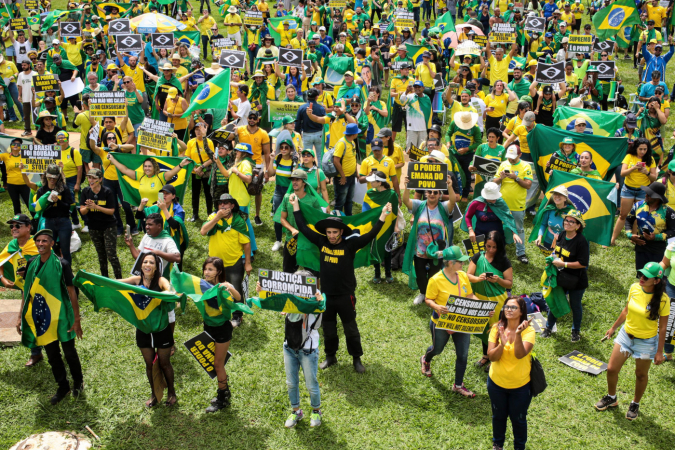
{"points": [[560, 189], [333, 222], [437, 155], [243, 147], [566, 141], [258, 73], [166, 66], [656, 190], [19, 218], [232, 9], [490, 191], [575, 214], [377, 176], [43, 115], [214, 69], [652, 270], [352, 128], [465, 120]]}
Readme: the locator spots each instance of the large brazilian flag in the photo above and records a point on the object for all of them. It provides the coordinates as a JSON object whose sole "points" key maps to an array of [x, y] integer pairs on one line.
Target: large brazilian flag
{"points": [[188, 37], [215, 93], [598, 123], [415, 52], [608, 21]]}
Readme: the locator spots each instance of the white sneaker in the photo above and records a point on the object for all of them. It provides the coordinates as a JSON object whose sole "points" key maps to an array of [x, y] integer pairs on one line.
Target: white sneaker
{"points": [[75, 227], [277, 246], [85, 229], [419, 299]]}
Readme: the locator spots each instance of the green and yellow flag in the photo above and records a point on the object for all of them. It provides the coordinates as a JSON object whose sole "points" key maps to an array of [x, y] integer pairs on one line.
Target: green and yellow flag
{"points": [[145, 309], [336, 67], [627, 35], [289, 304], [445, 23], [415, 52], [188, 37], [47, 314], [14, 257], [213, 94], [598, 123], [553, 294], [611, 19], [130, 188], [275, 22]]}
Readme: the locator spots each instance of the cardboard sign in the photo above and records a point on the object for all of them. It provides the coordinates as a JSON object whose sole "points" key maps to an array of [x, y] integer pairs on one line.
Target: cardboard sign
{"points": [[580, 43], [218, 45], [550, 73], [43, 83], [203, 348], [337, 4], [539, 322], [290, 57], [563, 166], [439, 85], [274, 282], [583, 363], [503, 33], [535, 24], [156, 134], [36, 158], [31, 5], [604, 46], [466, 315], [70, 29], [108, 104], [405, 19], [474, 247], [606, 69], [307, 64], [119, 27], [130, 43], [428, 176], [416, 153], [383, 26], [486, 168], [233, 59], [670, 328], [18, 24], [278, 110], [480, 40], [254, 18], [162, 40]]}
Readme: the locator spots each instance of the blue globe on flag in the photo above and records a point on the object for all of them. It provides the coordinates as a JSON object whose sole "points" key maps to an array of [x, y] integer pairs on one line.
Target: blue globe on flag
{"points": [[581, 198], [616, 17], [204, 94]]}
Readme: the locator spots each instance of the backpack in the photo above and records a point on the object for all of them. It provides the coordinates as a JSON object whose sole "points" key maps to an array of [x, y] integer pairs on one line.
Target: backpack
{"points": [[327, 164], [255, 187]]}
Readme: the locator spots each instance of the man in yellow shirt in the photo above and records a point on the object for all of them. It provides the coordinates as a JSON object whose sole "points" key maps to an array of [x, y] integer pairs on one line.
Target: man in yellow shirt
{"points": [[133, 70], [578, 10], [378, 162], [656, 13], [286, 33], [499, 65], [233, 24], [399, 85], [299, 42], [425, 72], [72, 48], [344, 159]]}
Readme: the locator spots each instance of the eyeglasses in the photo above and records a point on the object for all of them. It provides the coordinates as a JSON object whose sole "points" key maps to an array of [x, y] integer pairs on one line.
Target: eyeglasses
{"points": [[15, 225], [511, 307], [127, 82], [571, 221]]}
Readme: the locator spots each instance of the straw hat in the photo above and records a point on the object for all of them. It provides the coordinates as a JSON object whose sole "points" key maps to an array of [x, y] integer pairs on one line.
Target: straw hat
{"points": [[44, 114], [214, 69], [465, 120], [169, 66]]}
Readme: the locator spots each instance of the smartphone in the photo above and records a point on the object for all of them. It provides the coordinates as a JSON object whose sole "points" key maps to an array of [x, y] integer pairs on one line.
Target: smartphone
{"points": [[489, 274], [128, 231], [507, 171], [604, 338], [160, 197]]}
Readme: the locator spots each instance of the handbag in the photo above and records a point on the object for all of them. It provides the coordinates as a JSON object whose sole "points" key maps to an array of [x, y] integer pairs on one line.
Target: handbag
{"points": [[537, 377]]}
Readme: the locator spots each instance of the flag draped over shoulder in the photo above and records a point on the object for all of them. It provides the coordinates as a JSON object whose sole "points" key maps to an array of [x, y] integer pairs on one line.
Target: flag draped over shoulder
{"points": [[47, 313], [553, 294], [213, 94], [599, 123], [415, 52], [275, 22], [608, 152], [145, 309], [14, 257], [289, 304], [213, 302], [610, 19], [188, 37], [179, 236], [445, 22], [135, 162]]}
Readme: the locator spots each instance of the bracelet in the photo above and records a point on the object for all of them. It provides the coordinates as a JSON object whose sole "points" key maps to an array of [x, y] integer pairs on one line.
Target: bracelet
{"points": [[565, 265]]}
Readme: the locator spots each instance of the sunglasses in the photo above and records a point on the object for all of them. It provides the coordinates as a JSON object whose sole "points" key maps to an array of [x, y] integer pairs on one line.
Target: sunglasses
{"points": [[127, 82], [511, 307], [15, 225], [433, 192], [111, 138], [283, 147]]}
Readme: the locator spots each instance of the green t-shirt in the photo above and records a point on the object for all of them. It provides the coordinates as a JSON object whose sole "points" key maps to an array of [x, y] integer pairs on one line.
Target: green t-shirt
{"points": [[311, 177], [307, 200], [485, 151], [134, 108], [221, 180]]}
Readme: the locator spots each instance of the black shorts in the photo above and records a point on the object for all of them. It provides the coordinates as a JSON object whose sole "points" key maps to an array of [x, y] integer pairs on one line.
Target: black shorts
{"points": [[159, 339], [397, 118], [221, 334]]}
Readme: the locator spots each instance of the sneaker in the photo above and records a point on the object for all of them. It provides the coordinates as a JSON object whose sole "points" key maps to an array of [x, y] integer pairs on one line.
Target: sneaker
{"points": [[294, 418], [376, 280], [633, 411], [134, 231], [546, 332], [523, 259], [462, 390], [257, 222], [575, 337], [426, 367], [85, 229], [235, 322], [419, 299], [277, 246], [606, 402], [315, 419], [389, 280], [193, 219], [26, 133], [532, 212], [76, 226]]}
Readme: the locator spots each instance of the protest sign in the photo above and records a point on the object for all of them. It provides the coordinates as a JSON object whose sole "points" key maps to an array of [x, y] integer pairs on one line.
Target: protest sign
{"points": [[70, 29], [31, 5], [253, 18], [233, 59], [222, 135], [384, 25], [670, 327], [218, 45], [274, 282], [503, 33], [337, 4], [130, 43], [279, 110], [439, 85], [480, 40], [486, 168], [18, 24], [290, 57], [466, 315], [416, 153], [539, 322], [606, 69], [580, 43], [535, 24], [474, 247], [36, 158], [583, 363], [108, 104], [308, 67], [550, 73], [563, 166], [43, 83], [405, 19], [468, 48], [119, 27], [162, 40], [604, 46], [427, 176], [203, 348], [156, 134]]}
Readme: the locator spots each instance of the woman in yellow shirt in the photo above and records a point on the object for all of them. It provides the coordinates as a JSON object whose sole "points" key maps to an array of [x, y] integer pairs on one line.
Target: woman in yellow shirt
{"points": [[496, 103], [174, 107], [642, 336], [16, 187], [392, 150], [509, 348]]}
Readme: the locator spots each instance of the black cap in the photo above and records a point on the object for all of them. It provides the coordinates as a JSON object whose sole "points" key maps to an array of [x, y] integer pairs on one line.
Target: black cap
{"points": [[169, 189], [376, 144], [548, 90], [356, 99], [471, 86], [19, 218], [253, 112]]}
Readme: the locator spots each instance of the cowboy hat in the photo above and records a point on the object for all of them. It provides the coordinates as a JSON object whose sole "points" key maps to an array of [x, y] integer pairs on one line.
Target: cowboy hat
{"points": [[44, 114], [214, 69], [228, 198], [333, 222], [169, 66], [465, 120]]}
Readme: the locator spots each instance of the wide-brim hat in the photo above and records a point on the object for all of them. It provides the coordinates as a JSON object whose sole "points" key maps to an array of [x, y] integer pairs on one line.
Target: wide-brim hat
{"points": [[43, 115], [567, 141], [575, 214], [232, 9], [656, 190], [333, 222], [169, 66], [228, 198], [214, 69], [465, 120]]}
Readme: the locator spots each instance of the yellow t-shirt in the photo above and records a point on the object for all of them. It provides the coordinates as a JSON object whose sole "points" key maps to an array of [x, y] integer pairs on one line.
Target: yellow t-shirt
{"points": [[458, 107], [8, 69], [440, 288], [232, 18], [196, 152], [578, 10], [336, 131], [386, 165], [346, 149], [84, 125], [255, 140], [136, 75], [637, 319], [510, 372], [70, 165], [499, 70], [12, 165], [262, 6], [237, 187], [567, 18], [149, 187], [227, 246], [73, 52], [515, 195], [475, 69], [512, 124], [423, 74], [521, 132], [498, 102], [636, 179], [656, 13]]}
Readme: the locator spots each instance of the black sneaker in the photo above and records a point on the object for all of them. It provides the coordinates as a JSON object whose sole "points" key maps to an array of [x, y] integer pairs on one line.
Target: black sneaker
{"points": [[633, 411], [257, 222], [606, 402], [523, 259], [77, 390], [546, 332], [575, 337], [61, 394]]}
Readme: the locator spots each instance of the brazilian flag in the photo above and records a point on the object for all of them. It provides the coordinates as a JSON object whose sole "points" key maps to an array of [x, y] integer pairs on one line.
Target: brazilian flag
{"points": [[608, 152], [627, 35], [179, 236], [51, 18], [213, 302], [188, 37], [445, 23], [415, 52], [289, 304], [130, 188], [145, 309], [336, 67], [14, 257], [595, 199], [553, 294], [213, 94], [275, 22], [598, 123], [101, 6], [611, 19]]}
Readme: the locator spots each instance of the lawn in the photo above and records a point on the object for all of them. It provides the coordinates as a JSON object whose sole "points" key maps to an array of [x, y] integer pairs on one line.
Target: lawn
{"points": [[390, 406]]}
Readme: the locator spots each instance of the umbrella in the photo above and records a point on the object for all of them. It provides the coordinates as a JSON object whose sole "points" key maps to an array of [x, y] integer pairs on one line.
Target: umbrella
{"points": [[155, 23], [461, 29]]}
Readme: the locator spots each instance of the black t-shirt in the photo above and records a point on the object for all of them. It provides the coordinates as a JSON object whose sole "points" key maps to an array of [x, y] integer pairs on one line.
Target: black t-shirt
{"points": [[105, 198], [575, 250], [60, 208], [47, 137], [502, 264], [545, 116]]}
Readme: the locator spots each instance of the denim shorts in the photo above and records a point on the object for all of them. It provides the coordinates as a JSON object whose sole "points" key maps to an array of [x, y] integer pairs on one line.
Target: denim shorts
{"points": [[9, 51], [637, 348], [629, 192]]}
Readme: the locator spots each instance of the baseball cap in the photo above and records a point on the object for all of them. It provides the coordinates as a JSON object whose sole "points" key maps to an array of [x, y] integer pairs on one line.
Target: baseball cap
{"points": [[548, 90], [512, 151], [418, 83], [631, 120], [299, 174], [529, 118], [652, 270], [454, 253], [19, 218], [376, 144], [377, 176], [95, 173]]}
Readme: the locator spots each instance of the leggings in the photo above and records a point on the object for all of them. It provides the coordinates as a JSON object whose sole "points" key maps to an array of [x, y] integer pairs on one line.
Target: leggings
{"points": [[59, 369], [197, 184], [422, 273], [18, 192], [105, 243], [235, 276]]}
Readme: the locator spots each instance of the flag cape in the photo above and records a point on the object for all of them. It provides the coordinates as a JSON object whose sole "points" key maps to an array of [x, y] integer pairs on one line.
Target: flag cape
{"points": [[415, 52], [598, 123], [213, 302], [47, 313], [288, 303], [336, 66], [609, 20], [145, 309], [608, 152], [13, 257], [135, 162], [445, 22], [274, 23], [188, 37], [214, 93], [553, 294]]}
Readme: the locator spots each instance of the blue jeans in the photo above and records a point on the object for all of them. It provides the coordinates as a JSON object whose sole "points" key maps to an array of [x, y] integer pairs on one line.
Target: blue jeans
{"points": [[513, 404], [575, 297], [278, 197], [519, 217], [309, 361], [315, 141], [114, 186], [670, 291], [71, 182], [62, 229], [14, 92], [344, 195], [136, 127], [439, 338]]}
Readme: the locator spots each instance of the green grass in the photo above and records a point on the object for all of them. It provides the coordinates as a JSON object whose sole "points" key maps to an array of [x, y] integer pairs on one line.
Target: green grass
{"points": [[391, 406]]}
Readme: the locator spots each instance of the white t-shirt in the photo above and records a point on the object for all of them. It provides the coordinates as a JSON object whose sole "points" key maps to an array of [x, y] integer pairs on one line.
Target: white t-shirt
{"points": [[21, 51], [243, 108], [166, 245], [26, 82], [479, 104]]}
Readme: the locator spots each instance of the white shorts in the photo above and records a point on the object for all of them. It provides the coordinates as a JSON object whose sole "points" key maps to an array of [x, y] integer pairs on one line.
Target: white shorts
{"points": [[236, 37]]}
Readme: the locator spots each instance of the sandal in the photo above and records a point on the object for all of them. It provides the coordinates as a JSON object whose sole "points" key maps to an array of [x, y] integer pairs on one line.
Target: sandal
{"points": [[171, 400], [152, 402], [482, 362], [462, 390]]}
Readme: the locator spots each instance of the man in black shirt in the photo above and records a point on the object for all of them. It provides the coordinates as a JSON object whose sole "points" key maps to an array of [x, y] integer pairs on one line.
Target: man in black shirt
{"points": [[337, 247]]}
